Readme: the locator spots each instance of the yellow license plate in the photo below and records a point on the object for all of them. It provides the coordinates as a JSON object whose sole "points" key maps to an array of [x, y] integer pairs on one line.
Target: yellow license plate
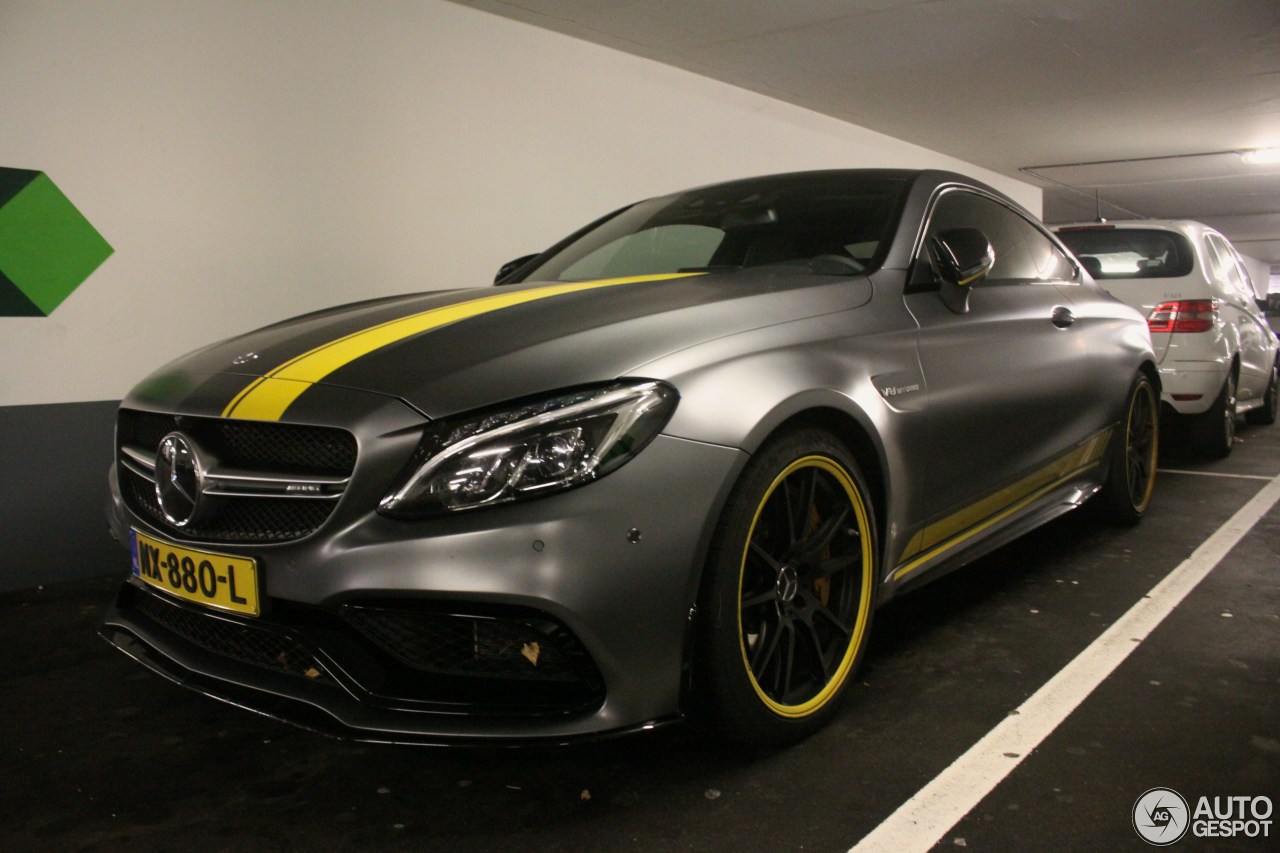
{"points": [[214, 580]]}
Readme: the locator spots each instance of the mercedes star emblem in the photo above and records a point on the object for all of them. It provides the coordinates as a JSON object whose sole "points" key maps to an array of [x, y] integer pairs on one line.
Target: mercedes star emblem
{"points": [[179, 479]]}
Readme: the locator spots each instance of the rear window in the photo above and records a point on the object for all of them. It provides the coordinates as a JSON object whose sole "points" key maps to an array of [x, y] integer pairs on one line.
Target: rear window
{"points": [[1130, 252]]}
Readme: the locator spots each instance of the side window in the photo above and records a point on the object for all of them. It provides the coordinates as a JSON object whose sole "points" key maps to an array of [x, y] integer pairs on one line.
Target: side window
{"points": [[1023, 252], [1214, 255], [1229, 267]]}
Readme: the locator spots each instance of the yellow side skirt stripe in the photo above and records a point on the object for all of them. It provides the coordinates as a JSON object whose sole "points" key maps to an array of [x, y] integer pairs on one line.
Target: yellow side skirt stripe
{"points": [[267, 398], [960, 527]]}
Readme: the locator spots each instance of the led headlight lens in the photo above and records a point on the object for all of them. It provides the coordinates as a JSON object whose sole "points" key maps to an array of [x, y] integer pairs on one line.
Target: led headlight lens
{"points": [[548, 445]]}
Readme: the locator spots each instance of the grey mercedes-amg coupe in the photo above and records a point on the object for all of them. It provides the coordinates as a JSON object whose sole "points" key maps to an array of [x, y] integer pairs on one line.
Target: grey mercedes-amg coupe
{"points": [[669, 468]]}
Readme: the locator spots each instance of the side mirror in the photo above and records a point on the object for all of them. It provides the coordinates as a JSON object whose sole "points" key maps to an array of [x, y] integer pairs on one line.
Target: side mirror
{"points": [[511, 266], [962, 256]]}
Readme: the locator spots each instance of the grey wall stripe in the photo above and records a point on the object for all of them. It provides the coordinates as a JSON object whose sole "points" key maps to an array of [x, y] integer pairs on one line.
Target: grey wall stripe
{"points": [[53, 494]]}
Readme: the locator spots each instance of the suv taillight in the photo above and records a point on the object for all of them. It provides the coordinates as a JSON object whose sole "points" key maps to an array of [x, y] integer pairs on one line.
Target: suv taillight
{"points": [[1185, 315]]}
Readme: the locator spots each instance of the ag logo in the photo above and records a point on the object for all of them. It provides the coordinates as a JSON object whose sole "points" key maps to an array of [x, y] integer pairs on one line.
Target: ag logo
{"points": [[1161, 816]]}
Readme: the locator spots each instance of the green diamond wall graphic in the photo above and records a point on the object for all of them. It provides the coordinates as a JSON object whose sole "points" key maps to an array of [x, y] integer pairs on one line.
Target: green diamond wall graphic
{"points": [[47, 249]]}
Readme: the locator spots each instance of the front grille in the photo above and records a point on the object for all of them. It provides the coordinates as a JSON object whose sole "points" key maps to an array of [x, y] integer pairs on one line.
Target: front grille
{"points": [[263, 449], [245, 643], [290, 448], [239, 519], [253, 445]]}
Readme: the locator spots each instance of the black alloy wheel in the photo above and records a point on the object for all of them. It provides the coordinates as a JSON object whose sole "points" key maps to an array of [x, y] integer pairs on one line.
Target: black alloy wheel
{"points": [[789, 592], [1135, 450]]}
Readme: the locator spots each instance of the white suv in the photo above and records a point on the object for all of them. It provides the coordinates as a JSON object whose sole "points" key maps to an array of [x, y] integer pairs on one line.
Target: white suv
{"points": [[1217, 353]]}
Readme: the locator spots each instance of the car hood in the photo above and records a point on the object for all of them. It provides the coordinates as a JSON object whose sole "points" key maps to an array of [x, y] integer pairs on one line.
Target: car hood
{"points": [[444, 352]]}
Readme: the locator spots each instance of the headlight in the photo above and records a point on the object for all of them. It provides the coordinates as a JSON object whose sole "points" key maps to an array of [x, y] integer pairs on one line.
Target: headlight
{"points": [[548, 445]]}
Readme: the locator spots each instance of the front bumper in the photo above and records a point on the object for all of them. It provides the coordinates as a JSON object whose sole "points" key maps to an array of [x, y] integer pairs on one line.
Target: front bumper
{"points": [[599, 582]]}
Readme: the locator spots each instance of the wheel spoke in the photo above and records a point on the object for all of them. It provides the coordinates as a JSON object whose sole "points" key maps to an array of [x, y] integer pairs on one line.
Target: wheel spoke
{"points": [[825, 651], [789, 509], [757, 550], [801, 510], [825, 657], [833, 566], [813, 650], [1137, 478], [1140, 464], [1137, 470], [783, 681], [820, 539], [766, 645], [834, 620]]}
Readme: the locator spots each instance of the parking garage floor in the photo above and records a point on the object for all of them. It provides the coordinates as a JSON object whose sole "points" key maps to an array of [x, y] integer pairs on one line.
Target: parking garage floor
{"points": [[102, 755]]}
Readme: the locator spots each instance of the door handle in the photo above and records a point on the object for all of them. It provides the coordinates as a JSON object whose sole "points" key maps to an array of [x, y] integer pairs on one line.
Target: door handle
{"points": [[1062, 317]]}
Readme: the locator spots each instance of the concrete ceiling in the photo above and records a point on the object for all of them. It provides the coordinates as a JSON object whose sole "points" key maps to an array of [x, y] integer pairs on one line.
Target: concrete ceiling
{"points": [[1137, 108]]}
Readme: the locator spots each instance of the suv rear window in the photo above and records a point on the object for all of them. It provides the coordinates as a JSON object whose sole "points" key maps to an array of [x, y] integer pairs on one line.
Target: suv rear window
{"points": [[1109, 252]]}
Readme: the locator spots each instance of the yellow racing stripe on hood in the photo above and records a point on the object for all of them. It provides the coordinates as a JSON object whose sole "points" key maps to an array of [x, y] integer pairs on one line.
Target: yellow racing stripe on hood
{"points": [[267, 397]]}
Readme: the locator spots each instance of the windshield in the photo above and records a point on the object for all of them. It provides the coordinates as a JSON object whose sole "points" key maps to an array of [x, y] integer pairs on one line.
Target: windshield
{"points": [[827, 223], [1108, 252]]}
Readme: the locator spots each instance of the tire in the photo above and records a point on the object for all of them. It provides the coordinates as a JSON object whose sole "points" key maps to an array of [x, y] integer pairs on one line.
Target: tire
{"points": [[788, 592], [1135, 447], [1214, 433], [1267, 413]]}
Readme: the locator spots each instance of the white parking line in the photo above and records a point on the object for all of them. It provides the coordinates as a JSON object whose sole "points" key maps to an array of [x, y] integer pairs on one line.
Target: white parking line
{"points": [[921, 821], [1212, 474]]}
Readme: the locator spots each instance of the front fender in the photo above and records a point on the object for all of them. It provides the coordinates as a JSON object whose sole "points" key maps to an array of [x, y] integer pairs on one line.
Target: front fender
{"points": [[866, 388]]}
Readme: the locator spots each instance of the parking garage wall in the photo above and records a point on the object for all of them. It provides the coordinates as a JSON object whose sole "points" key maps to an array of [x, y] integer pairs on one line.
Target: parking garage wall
{"points": [[245, 161]]}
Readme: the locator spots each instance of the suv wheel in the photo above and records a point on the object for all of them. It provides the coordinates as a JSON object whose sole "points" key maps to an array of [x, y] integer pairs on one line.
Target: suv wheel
{"points": [[1214, 432], [1267, 413]]}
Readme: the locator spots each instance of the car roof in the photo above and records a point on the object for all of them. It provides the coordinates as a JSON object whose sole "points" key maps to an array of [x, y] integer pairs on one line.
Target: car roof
{"points": [[1187, 227], [920, 187]]}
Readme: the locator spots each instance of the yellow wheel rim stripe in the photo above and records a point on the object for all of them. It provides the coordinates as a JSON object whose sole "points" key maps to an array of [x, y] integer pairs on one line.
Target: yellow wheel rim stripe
{"points": [[846, 482]]}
